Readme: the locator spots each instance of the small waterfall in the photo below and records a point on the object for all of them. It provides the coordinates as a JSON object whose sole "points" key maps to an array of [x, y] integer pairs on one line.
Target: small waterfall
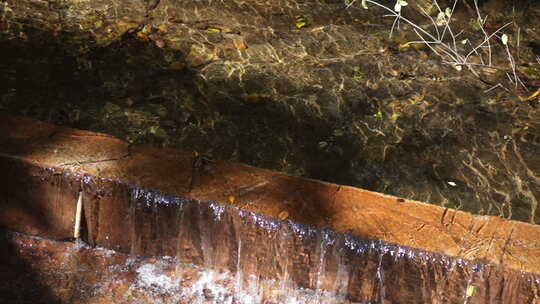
{"points": [[132, 224], [264, 260], [380, 279], [180, 236], [220, 254], [206, 229]]}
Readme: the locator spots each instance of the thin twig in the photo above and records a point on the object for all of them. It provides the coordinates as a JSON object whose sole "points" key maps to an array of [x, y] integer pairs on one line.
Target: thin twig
{"points": [[432, 22], [487, 39], [481, 24], [447, 26], [498, 85], [449, 50], [518, 42]]}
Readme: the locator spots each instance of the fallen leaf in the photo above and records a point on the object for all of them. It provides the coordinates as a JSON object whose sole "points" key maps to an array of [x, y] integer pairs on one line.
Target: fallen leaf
{"points": [[239, 44], [141, 36], [212, 30], [300, 21], [531, 97]]}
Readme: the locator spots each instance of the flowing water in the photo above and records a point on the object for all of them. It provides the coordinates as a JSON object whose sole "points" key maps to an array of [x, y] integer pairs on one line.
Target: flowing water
{"points": [[336, 100], [202, 252], [245, 257]]}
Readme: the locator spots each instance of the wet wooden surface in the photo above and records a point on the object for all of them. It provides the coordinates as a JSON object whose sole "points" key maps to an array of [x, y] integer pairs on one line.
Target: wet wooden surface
{"points": [[514, 245]]}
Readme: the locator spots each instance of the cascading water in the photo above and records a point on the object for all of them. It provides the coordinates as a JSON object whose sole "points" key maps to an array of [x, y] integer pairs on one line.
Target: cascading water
{"points": [[263, 259], [255, 248], [190, 251]]}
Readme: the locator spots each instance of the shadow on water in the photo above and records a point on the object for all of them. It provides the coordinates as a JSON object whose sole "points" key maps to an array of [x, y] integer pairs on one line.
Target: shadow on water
{"points": [[386, 137], [116, 96], [120, 89], [49, 84]]}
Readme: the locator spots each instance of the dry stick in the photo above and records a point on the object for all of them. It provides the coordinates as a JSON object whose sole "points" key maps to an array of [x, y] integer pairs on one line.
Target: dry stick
{"points": [[510, 78], [481, 23], [398, 16], [452, 35], [486, 40], [393, 13], [479, 56], [78, 213], [442, 49], [447, 23], [518, 42], [474, 64], [439, 36], [512, 65], [429, 43], [417, 30], [458, 59], [447, 26], [432, 22], [446, 49], [498, 85]]}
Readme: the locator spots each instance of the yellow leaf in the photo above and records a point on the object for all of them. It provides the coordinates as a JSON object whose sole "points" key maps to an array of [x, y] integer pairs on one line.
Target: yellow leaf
{"points": [[225, 29], [141, 36], [301, 21], [147, 29], [239, 44], [357, 73], [531, 97], [404, 45], [212, 30]]}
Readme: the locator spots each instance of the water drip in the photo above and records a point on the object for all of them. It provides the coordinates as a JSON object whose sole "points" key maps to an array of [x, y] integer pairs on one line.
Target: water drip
{"points": [[180, 236], [282, 261], [380, 279], [135, 238], [206, 229]]}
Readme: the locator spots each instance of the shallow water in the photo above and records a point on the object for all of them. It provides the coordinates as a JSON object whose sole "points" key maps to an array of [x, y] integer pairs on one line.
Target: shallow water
{"points": [[337, 100]]}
